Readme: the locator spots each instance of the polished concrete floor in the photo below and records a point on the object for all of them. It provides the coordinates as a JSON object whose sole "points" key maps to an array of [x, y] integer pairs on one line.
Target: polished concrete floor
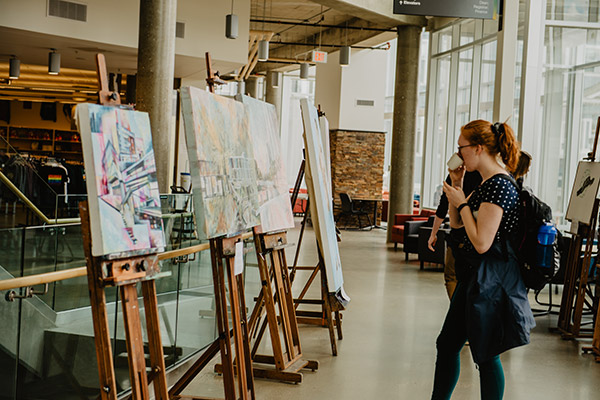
{"points": [[390, 327]]}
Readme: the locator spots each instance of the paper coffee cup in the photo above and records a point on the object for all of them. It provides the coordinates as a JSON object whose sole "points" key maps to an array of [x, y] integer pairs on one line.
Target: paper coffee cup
{"points": [[186, 181], [454, 162]]}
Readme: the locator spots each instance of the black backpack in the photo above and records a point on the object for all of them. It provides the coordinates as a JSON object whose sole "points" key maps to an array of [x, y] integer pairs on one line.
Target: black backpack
{"points": [[532, 214]]}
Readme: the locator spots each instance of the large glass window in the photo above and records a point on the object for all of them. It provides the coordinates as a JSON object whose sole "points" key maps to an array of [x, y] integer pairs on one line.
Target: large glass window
{"points": [[461, 79], [486, 81], [570, 101]]}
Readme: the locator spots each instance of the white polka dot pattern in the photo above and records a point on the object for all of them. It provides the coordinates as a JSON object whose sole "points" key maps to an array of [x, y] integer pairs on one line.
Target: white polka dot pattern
{"points": [[503, 193]]}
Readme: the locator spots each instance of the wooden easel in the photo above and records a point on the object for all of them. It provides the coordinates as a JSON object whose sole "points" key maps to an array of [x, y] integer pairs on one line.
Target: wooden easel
{"points": [[328, 302], [222, 251], [275, 299], [576, 272], [124, 273]]}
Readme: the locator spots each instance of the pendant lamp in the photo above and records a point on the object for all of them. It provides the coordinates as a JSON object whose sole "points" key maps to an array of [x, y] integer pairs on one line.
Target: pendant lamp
{"points": [[14, 69], [53, 62], [303, 71]]}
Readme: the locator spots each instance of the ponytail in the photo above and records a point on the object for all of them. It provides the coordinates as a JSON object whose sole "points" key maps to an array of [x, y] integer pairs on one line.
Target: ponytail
{"points": [[507, 145], [497, 138]]}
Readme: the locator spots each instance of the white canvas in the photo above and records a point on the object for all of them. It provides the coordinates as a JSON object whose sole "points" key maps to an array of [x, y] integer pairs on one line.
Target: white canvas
{"points": [[324, 126], [273, 193], [320, 204], [123, 195], [584, 192], [222, 164]]}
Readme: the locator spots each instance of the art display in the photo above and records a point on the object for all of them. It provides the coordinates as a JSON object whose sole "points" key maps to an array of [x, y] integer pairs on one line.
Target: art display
{"points": [[123, 195], [584, 192], [222, 163], [320, 202], [273, 193]]}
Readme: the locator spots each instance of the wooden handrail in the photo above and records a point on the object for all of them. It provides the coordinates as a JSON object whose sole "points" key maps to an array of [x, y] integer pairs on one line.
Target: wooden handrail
{"points": [[49, 277], [32, 206]]}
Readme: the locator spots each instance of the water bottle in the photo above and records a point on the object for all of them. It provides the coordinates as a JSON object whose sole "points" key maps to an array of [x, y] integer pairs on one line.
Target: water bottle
{"points": [[545, 237]]}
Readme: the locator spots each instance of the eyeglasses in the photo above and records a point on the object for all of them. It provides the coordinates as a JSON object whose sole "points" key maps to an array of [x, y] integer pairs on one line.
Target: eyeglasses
{"points": [[466, 145]]}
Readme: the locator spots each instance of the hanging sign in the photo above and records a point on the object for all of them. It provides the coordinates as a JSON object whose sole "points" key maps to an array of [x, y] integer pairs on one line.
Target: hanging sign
{"points": [[483, 9], [318, 56]]}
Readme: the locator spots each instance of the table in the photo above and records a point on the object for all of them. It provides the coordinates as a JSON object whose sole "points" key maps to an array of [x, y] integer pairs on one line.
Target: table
{"points": [[374, 201]]}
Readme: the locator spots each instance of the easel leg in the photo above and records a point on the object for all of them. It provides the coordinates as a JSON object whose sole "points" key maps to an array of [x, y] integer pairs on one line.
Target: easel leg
{"points": [[238, 337], [135, 343], [222, 320], [246, 337], [157, 359], [108, 387]]}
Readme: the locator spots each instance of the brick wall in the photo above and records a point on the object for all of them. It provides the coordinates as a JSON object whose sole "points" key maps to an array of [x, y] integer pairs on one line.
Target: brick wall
{"points": [[357, 164]]}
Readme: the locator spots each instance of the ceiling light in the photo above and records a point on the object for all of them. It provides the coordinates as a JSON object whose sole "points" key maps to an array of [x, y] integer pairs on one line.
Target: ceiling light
{"points": [[14, 70], [303, 71], [231, 24], [345, 56], [53, 62], [263, 50]]}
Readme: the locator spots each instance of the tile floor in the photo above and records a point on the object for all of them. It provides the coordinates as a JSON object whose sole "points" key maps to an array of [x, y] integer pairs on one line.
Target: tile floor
{"points": [[390, 327]]}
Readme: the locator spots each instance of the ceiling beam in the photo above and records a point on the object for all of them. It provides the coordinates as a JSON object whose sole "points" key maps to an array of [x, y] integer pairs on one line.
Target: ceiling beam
{"points": [[332, 35]]}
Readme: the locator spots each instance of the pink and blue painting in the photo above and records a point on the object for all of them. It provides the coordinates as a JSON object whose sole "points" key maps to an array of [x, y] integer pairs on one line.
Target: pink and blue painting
{"points": [[123, 194]]}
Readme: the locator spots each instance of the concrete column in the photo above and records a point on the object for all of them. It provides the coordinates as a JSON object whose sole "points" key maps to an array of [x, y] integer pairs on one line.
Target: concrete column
{"points": [[404, 128], [154, 92], [506, 58], [252, 86], [273, 94]]}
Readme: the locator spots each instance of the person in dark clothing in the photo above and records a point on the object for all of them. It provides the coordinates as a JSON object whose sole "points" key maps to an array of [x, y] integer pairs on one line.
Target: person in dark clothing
{"points": [[471, 181], [490, 307], [522, 168]]}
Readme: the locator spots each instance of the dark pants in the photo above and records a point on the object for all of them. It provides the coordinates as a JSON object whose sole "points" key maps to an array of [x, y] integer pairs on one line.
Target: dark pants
{"points": [[451, 340]]}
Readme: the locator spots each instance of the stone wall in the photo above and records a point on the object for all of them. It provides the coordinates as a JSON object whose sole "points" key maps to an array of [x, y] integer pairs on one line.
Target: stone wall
{"points": [[357, 164]]}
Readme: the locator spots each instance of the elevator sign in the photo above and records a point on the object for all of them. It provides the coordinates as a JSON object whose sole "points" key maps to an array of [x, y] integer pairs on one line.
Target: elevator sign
{"points": [[483, 9]]}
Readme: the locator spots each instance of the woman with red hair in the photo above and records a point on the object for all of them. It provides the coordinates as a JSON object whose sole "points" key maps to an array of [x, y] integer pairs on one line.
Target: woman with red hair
{"points": [[489, 307]]}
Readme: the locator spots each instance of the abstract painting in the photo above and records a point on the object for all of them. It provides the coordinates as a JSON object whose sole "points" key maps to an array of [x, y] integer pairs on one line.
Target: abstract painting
{"points": [[584, 192], [123, 195], [221, 163], [273, 193], [320, 201]]}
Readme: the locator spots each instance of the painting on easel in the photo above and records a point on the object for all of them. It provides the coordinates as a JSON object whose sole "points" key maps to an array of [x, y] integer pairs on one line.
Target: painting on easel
{"points": [[273, 192], [121, 181], [221, 163], [320, 201], [584, 192]]}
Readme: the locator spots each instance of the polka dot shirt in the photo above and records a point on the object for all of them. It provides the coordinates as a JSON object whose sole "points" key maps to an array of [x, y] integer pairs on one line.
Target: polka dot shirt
{"points": [[503, 193]]}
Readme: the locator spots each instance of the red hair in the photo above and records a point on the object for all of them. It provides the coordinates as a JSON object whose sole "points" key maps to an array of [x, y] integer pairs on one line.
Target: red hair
{"points": [[496, 138]]}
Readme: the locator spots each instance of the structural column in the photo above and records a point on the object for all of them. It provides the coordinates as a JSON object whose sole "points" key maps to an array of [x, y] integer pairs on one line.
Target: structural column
{"points": [[154, 92], [273, 94], [506, 56], [402, 163], [252, 86]]}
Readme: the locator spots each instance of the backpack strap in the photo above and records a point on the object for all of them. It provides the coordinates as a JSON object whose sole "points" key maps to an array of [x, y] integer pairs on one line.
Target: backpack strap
{"points": [[504, 238]]}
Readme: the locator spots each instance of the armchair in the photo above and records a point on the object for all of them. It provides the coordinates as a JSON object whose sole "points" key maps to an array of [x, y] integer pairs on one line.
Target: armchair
{"points": [[438, 256], [411, 235], [400, 219]]}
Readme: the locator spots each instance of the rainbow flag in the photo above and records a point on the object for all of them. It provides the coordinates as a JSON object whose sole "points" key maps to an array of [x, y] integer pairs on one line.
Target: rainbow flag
{"points": [[54, 178]]}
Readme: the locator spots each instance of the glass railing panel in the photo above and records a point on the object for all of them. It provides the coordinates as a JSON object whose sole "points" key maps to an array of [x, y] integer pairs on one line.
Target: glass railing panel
{"points": [[70, 294], [10, 256], [57, 356], [10, 266]]}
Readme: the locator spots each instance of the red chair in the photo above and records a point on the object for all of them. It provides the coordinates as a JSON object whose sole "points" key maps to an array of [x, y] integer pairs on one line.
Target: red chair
{"points": [[399, 220]]}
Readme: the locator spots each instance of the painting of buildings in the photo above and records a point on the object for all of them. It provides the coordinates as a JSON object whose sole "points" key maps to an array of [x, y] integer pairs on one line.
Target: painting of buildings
{"points": [[273, 193], [123, 193], [222, 163]]}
